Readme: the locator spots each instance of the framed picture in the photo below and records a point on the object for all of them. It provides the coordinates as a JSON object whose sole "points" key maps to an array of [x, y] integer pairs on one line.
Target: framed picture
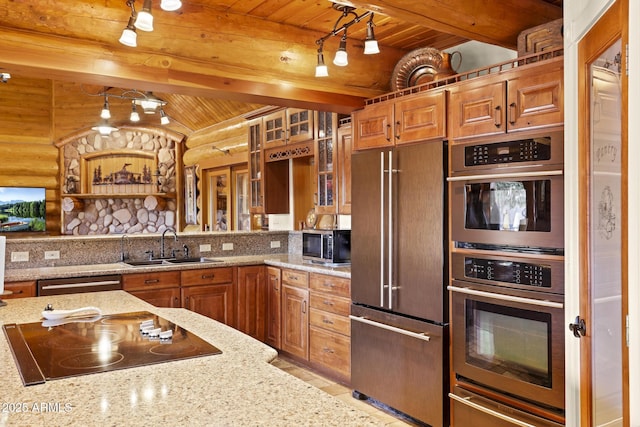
{"points": [[190, 208]]}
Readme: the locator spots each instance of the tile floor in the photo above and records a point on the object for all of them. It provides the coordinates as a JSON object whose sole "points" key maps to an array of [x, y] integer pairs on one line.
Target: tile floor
{"points": [[339, 391]]}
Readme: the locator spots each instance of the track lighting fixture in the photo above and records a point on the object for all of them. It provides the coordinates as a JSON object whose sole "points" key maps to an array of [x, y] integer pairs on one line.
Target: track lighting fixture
{"points": [[143, 20], [149, 103], [341, 59]]}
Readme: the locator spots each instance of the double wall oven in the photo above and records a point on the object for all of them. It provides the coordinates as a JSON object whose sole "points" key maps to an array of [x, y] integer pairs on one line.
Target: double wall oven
{"points": [[507, 281]]}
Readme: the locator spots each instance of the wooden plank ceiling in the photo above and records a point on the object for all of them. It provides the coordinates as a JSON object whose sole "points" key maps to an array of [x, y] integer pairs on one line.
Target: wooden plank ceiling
{"points": [[215, 59]]}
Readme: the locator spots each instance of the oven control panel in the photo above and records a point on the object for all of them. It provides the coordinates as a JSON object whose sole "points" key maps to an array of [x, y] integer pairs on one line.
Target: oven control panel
{"points": [[519, 273], [523, 150]]}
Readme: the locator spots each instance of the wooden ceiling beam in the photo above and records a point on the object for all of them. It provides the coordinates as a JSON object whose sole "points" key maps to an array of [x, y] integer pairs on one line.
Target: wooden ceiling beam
{"points": [[499, 25]]}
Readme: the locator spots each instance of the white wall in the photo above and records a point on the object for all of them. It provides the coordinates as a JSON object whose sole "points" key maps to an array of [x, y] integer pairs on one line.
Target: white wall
{"points": [[479, 55]]}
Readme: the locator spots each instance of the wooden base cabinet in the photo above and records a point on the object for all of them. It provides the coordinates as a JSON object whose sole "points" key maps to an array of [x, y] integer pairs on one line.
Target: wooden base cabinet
{"points": [[161, 289], [251, 300], [295, 313], [329, 324], [210, 292], [19, 290], [274, 311], [214, 301]]}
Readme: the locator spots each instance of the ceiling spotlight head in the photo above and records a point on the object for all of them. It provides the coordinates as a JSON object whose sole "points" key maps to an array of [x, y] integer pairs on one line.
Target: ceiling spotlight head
{"points": [[144, 20], [129, 35], [341, 59], [150, 103], [170, 5], [370, 42], [164, 120], [105, 113], [321, 68], [134, 117]]}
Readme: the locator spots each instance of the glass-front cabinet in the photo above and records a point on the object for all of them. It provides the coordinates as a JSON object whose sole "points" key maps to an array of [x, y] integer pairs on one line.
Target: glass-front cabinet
{"points": [[287, 126], [256, 164], [326, 129], [241, 215]]}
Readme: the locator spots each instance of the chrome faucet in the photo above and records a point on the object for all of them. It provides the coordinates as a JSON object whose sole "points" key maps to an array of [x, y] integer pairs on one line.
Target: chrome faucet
{"points": [[123, 255], [175, 239]]}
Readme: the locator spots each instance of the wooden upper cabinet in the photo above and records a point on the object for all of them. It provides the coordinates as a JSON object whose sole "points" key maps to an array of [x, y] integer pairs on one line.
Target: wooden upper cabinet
{"points": [[327, 180], [372, 126], [256, 166], [413, 118], [343, 158], [287, 126], [476, 110], [535, 100], [524, 101]]}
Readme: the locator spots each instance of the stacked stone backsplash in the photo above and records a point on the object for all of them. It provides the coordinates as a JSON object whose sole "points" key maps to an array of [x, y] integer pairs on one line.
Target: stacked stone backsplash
{"points": [[118, 213]]}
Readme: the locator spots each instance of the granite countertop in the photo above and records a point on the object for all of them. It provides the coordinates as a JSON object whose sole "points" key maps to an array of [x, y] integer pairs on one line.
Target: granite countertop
{"points": [[281, 260], [236, 388]]}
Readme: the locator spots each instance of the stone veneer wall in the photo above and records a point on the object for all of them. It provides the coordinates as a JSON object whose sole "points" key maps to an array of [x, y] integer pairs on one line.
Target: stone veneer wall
{"points": [[118, 215]]}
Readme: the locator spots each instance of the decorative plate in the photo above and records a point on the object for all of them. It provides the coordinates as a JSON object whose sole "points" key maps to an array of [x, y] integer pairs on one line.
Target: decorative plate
{"points": [[312, 218]]}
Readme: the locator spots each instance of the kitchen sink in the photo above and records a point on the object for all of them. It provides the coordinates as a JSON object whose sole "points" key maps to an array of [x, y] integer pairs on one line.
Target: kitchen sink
{"points": [[170, 261], [191, 260]]}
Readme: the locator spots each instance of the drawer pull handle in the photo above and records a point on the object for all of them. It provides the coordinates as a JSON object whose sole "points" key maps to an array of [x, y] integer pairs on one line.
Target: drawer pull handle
{"points": [[151, 281], [328, 350], [467, 401], [329, 303], [208, 276], [329, 285], [327, 321]]}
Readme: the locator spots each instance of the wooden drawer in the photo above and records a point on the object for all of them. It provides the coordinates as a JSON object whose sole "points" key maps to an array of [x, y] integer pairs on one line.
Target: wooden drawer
{"points": [[330, 303], [331, 284], [153, 280], [330, 321], [330, 350], [20, 289], [295, 278], [206, 276]]}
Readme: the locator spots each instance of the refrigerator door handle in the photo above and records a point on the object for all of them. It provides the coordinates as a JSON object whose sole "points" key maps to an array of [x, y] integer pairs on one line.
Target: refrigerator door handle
{"points": [[362, 319], [382, 229], [390, 232]]}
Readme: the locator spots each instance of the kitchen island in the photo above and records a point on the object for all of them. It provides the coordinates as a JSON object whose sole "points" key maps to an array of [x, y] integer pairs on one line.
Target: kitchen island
{"points": [[236, 388]]}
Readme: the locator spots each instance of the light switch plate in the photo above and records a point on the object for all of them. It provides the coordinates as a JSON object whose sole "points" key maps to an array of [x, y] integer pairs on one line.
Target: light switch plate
{"points": [[275, 244], [51, 254], [205, 248], [227, 246], [19, 256]]}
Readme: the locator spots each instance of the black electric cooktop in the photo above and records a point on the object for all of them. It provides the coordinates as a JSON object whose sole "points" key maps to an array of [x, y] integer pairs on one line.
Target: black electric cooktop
{"points": [[49, 350]]}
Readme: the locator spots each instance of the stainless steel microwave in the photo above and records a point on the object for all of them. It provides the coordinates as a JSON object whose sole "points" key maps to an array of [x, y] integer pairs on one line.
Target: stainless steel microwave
{"points": [[327, 246]]}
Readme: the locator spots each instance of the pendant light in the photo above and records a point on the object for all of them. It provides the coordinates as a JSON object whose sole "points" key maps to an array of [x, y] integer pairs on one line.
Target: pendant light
{"points": [[105, 113], [370, 42], [129, 35], [170, 5], [341, 59], [321, 68], [134, 117]]}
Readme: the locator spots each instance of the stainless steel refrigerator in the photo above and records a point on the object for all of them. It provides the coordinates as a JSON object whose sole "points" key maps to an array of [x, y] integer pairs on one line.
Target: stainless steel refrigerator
{"points": [[399, 317]]}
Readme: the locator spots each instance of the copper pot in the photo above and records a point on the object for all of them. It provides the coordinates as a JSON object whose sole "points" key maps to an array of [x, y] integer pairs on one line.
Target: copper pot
{"points": [[422, 66]]}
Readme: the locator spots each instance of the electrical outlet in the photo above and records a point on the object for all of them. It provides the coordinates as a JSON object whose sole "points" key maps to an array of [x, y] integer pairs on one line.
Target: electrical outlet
{"points": [[227, 246], [19, 256], [205, 248], [51, 254], [275, 244]]}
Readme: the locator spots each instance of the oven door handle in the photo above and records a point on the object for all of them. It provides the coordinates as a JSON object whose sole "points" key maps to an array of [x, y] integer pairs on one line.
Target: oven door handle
{"points": [[362, 319], [467, 401], [505, 175], [509, 298]]}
